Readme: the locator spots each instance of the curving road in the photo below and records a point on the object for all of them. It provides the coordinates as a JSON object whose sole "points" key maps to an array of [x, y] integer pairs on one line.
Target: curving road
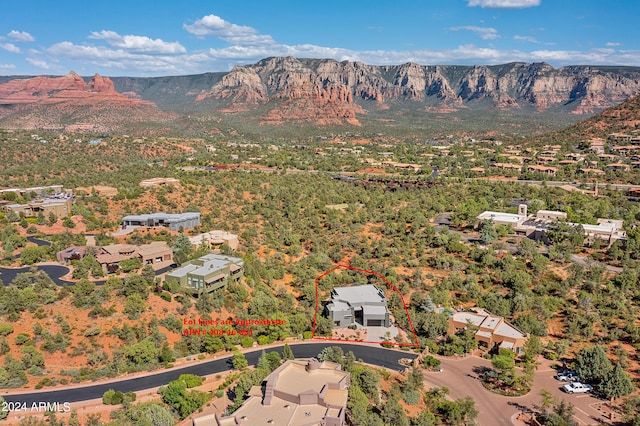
{"points": [[375, 355], [55, 272]]}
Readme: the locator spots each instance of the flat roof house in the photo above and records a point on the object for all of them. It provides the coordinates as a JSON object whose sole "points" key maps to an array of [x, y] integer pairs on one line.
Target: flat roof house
{"points": [[207, 273], [362, 304], [536, 226], [493, 331], [59, 207], [175, 222], [301, 392], [214, 239]]}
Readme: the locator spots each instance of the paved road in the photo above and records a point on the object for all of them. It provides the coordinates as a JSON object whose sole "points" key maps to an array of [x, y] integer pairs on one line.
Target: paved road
{"points": [[461, 377], [54, 271], [368, 353], [38, 241]]}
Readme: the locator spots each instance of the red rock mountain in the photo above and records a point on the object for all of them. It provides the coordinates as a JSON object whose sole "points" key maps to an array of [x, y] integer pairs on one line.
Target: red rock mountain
{"points": [[328, 91], [69, 88], [72, 104], [315, 91]]}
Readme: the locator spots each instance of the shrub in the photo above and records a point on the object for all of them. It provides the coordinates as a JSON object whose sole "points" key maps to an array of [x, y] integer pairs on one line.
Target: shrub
{"points": [[431, 362], [5, 329], [246, 342], [191, 380], [107, 397], [411, 397], [264, 340], [22, 339], [44, 382], [92, 332], [112, 397]]}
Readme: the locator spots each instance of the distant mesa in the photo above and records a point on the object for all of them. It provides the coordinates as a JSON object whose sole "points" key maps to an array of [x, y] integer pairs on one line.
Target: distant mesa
{"points": [[70, 88], [329, 92]]}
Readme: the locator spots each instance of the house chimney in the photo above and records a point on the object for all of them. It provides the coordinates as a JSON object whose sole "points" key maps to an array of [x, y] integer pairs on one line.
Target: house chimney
{"points": [[313, 364], [522, 210]]}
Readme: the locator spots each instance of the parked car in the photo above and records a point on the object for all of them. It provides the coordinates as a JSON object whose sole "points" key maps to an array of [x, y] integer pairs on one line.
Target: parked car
{"points": [[577, 387], [568, 376]]}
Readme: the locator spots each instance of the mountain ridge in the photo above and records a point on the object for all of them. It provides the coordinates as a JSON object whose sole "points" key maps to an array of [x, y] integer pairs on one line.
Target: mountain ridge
{"points": [[281, 90]]}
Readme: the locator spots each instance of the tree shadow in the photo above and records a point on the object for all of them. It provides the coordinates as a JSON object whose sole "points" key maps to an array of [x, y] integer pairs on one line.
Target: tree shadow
{"points": [[525, 409], [481, 371]]}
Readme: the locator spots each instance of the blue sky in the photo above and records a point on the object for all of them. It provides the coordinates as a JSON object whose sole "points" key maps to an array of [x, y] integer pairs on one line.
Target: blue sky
{"points": [[171, 37]]}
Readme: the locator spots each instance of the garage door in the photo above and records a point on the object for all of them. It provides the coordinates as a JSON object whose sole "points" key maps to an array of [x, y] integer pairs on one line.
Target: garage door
{"points": [[374, 323]]}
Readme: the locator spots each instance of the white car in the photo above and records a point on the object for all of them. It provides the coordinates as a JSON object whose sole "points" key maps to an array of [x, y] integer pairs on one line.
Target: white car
{"points": [[567, 377], [577, 387]]}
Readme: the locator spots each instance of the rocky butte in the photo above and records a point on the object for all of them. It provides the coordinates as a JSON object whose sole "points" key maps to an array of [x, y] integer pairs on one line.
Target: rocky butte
{"points": [[70, 88], [70, 103]]}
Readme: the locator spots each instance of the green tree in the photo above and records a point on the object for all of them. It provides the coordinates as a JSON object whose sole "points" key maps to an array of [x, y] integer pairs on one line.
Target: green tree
{"points": [[425, 418], [146, 414], [67, 222], [240, 361], [129, 265], [142, 353], [287, 353], [134, 306], [428, 305], [52, 218], [135, 284], [358, 405], [488, 232], [34, 254], [616, 384], [504, 364], [182, 249], [83, 292], [592, 364], [393, 413], [415, 380], [148, 274]]}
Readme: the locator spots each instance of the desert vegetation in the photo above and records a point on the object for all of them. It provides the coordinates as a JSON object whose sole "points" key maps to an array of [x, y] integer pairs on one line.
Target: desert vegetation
{"points": [[290, 232]]}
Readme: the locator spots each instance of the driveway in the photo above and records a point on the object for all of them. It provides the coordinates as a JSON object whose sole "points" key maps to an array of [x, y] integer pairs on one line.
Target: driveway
{"points": [[459, 375]]}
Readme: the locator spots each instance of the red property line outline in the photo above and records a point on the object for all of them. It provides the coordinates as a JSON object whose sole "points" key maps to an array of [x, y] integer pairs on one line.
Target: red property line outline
{"points": [[366, 271]]}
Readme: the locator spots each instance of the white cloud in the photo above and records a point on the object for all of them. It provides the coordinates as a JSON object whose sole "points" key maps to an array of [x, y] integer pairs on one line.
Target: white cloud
{"points": [[129, 61], [20, 36], [38, 63], [504, 4], [114, 54], [212, 25], [529, 39], [10, 47], [589, 57], [486, 33], [141, 44], [613, 44], [7, 66]]}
